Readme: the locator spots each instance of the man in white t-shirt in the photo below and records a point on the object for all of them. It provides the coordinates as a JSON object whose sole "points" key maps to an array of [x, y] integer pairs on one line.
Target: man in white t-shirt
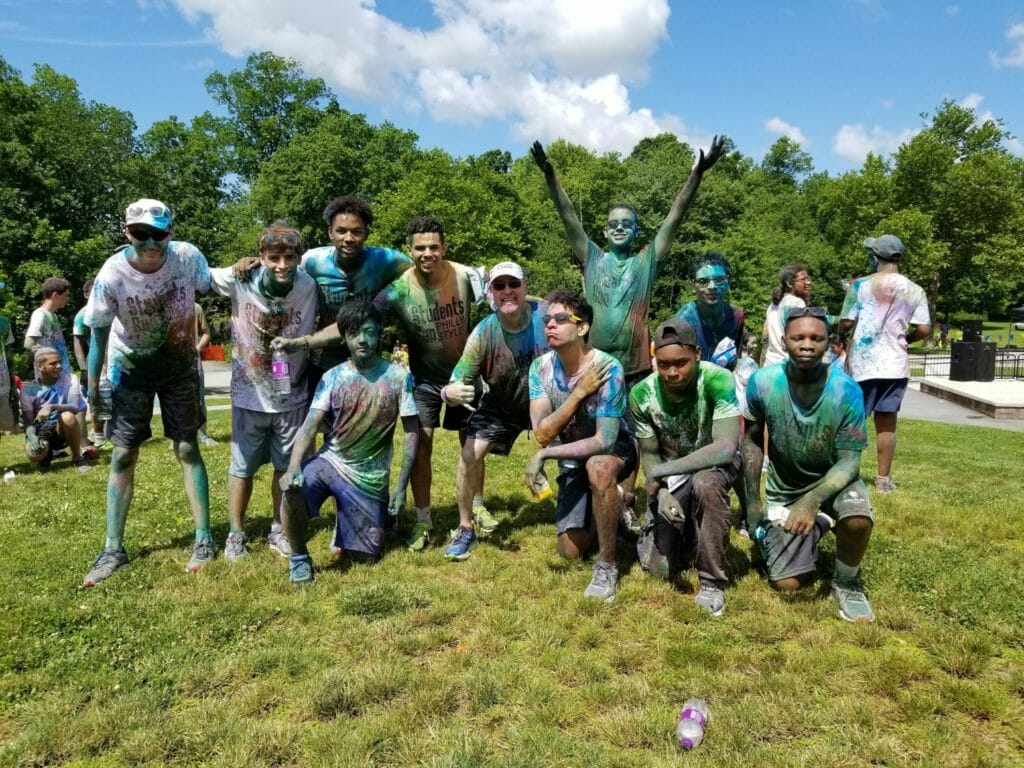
{"points": [[882, 307], [278, 299], [44, 329], [143, 304]]}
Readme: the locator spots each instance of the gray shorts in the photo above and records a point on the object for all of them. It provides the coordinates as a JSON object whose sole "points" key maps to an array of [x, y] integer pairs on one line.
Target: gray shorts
{"points": [[573, 509], [258, 437], [788, 554]]}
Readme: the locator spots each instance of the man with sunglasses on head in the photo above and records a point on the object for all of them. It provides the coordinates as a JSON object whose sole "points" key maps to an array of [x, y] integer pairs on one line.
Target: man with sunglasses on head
{"points": [[814, 414], [577, 404], [711, 316], [499, 350], [143, 304], [278, 300]]}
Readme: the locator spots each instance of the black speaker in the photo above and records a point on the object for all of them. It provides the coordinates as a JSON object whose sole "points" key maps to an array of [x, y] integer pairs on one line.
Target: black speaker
{"points": [[972, 330], [972, 361]]}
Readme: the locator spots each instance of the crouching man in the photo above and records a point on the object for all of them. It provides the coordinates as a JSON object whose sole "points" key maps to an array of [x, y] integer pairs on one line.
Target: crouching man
{"points": [[814, 414], [360, 400]]}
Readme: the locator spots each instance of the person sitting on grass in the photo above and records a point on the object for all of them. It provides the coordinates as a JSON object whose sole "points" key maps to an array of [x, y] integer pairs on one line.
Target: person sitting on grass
{"points": [[688, 426], [499, 350], [817, 430], [361, 401], [577, 404], [49, 408]]}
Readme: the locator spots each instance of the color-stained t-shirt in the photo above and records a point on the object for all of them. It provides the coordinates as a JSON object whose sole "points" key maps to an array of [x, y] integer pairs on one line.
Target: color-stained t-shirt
{"points": [[6, 338], [619, 290], [65, 391], [884, 305], [45, 328], [685, 426], [804, 443], [549, 381], [503, 359], [745, 368], [775, 319], [435, 320], [81, 331], [380, 266], [361, 415], [709, 334], [151, 316], [256, 319]]}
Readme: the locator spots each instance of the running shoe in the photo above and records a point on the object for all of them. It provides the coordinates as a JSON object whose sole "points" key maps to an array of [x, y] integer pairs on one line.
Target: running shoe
{"points": [[110, 560], [202, 553], [420, 537], [277, 541], [484, 522], [236, 547], [711, 599], [462, 540], [602, 584], [300, 569], [853, 603]]}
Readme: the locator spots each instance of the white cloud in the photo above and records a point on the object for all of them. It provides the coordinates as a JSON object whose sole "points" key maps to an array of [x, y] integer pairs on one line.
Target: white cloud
{"points": [[780, 127], [548, 68], [1015, 58], [971, 100], [854, 142]]}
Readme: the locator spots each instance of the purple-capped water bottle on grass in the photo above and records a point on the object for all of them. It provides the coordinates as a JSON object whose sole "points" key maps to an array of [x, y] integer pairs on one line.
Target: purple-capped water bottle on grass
{"points": [[692, 722]]}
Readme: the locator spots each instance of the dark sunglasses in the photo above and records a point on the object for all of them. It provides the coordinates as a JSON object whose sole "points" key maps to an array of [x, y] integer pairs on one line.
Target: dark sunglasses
{"points": [[145, 234], [621, 224], [501, 285], [797, 312], [561, 318]]}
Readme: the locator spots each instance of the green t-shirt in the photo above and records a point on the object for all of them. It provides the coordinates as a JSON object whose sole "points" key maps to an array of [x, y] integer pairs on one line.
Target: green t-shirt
{"points": [[685, 426]]}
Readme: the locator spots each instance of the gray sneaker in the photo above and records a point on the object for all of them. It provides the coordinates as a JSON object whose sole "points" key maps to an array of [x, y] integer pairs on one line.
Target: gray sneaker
{"points": [[202, 553], [853, 603], [236, 547], [300, 569], [206, 441], [603, 583], [110, 560], [885, 485], [277, 541], [711, 599]]}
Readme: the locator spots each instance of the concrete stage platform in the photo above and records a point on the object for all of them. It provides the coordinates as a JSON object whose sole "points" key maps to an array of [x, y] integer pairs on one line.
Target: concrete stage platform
{"points": [[1000, 399]]}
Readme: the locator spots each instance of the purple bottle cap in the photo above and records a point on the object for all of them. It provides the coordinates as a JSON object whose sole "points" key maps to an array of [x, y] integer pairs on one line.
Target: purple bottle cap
{"points": [[686, 742]]}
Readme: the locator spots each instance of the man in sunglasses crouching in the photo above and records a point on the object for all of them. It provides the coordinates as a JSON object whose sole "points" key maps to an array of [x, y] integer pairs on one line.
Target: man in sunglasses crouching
{"points": [[143, 304], [577, 404], [499, 350], [817, 429]]}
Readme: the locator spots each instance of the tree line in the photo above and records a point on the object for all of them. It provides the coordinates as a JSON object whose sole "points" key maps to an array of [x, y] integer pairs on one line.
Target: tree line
{"points": [[285, 145]]}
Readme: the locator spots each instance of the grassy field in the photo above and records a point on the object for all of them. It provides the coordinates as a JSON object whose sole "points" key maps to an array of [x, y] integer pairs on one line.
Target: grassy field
{"points": [[499, 661]]}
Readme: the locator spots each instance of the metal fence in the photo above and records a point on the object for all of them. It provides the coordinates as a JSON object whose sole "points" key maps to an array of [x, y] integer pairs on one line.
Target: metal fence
{"points": [[934, 364]]}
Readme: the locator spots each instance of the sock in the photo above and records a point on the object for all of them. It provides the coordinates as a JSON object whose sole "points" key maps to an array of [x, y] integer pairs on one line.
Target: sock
{"points": [[478, 501], [203, 534], [423, 515], [846, 574]]}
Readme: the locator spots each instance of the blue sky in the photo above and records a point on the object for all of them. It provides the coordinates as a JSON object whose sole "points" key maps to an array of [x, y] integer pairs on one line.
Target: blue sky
{"points": [[842, 77]]}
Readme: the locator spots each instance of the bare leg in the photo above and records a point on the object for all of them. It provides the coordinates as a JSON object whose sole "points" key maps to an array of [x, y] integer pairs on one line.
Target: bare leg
{"points": [[275, 496], [295, 519], [469, 477], [604, 493], [197, 483], [69, 429], [120, 489], [576, 542], [422, 474], [885, 437], [239, 494], [852, 537]]}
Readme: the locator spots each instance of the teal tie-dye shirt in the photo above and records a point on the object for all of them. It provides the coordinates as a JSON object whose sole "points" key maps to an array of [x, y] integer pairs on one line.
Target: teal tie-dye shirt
{"points": [[685, 426], [804, 443]]}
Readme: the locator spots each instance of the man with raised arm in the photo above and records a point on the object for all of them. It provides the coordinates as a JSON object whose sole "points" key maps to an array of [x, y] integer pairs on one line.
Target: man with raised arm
{"points": [[688, 425], [278, 300], [814, 414], [143, 303], [499, 350], [360, 402], [578, 397]]}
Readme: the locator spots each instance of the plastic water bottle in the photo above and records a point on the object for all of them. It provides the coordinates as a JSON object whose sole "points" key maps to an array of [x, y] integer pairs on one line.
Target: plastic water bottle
{"points": [[280, 373], [541, 487], [105, 406], [777, 516], [692, 722]]}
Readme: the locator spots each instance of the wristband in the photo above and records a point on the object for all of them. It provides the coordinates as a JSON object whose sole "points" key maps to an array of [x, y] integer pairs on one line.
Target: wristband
{"points": [[444, 395]]}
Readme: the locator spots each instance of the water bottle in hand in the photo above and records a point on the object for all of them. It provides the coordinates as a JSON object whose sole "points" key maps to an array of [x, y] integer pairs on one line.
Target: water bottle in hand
{"points": [[692, 722], [280, 373]]}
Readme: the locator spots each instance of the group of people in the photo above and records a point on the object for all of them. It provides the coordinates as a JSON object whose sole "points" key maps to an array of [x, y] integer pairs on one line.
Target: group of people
{"points": [[602, 397]]}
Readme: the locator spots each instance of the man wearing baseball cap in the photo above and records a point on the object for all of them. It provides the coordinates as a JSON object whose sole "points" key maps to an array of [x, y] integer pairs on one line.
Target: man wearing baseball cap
{"points": [[149, 289], [882, 307], [499, 350], [687, 422]]}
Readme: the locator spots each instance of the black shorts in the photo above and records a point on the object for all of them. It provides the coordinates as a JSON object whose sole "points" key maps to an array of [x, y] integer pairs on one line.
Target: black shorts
{"points": [[497, 426], [429, 402], [50, 432], [133, 411], [883, 395], [573, 509]]}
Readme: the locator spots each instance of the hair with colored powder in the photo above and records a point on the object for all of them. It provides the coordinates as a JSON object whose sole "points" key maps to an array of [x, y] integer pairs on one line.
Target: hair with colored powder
{"points": [[625, 207], [787, 279], [349, 204], [422, 225], [573, 302], [710, 259], [52, 285], [354, 313]]}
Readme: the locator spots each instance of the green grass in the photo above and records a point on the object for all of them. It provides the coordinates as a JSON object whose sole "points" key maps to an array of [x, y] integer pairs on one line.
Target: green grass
{"points": [[499, 661]]}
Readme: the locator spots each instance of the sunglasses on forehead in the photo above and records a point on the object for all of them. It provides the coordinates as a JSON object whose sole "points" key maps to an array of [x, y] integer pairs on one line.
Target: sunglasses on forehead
{"points": [[156, 211], [501, 285], [797, 312], [146, 234], [290, 239], [561, 318]]}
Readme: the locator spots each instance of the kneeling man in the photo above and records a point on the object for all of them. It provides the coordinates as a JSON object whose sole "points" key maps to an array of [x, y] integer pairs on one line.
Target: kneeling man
{"points": [[814, 414], [688, 425], [361, 401]]}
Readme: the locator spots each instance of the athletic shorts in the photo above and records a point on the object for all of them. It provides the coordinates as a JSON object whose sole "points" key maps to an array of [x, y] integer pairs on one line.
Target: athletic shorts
{"points": [[573, 509], [361, 517], [789, 554], [258, 437], [133, 411], [429, 402], [496, 425], [883, 395]]}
